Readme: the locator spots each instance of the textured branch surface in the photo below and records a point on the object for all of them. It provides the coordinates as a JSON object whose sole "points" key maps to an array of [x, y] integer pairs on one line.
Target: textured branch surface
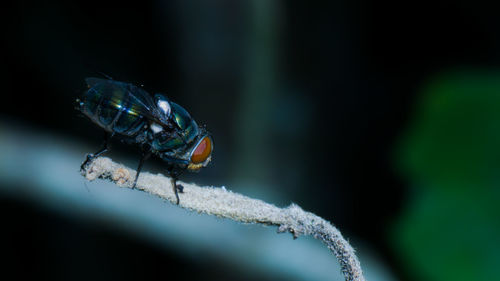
{"points": [[226, 204]]}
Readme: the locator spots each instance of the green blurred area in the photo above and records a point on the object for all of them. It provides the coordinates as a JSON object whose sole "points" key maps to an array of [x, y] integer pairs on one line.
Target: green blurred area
{"points": [[450, 229]]}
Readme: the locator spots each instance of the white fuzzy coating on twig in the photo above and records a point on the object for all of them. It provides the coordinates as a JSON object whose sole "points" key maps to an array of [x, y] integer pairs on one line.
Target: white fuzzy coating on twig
{"points": [[227, 204]]}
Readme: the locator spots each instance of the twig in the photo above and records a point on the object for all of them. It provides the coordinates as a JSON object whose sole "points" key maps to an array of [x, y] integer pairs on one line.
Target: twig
{"points": [[227, 204]]}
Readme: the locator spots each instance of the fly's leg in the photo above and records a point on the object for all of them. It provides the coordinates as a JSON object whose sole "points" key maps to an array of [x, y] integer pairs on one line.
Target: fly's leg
{"points": [[174, 175], [104, 148], [146, 153], [177, 188]]}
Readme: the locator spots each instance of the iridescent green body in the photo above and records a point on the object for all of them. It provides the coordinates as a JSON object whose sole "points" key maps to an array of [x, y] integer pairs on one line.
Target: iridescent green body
{"points": [[124, 109], [188, 130], [158, 125]]}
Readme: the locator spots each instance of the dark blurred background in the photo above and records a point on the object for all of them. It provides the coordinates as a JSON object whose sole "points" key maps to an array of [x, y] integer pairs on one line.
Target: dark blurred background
{"points": [[380, 116]]}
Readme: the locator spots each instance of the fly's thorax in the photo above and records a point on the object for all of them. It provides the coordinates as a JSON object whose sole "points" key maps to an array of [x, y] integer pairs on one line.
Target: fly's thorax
{"points": [[170, 138], [175, 128]]}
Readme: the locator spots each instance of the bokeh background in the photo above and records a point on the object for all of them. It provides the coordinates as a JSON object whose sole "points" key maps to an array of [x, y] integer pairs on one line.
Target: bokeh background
{"points": [[380, 116]]}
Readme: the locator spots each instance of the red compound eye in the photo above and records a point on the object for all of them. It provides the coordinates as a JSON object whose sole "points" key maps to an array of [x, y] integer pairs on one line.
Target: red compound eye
{"points": [[202, 151]]}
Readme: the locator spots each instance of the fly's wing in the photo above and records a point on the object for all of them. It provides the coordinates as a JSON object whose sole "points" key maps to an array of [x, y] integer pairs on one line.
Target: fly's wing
{"points": [[121, 96], [117, 93]]}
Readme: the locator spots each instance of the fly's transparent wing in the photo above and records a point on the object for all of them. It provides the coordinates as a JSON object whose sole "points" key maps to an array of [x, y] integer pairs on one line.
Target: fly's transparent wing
{"points": [[124, 97]]}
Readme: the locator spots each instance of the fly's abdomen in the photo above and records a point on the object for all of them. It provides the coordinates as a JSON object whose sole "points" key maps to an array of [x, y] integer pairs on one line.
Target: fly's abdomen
{"points": [[129, 122], [109, 105]]}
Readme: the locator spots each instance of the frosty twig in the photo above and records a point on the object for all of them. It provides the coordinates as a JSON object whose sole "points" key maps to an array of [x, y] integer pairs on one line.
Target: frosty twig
{"points": [[227, 204]]}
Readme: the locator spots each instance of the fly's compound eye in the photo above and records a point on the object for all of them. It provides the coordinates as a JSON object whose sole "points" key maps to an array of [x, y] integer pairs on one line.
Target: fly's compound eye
{"points": [[202, 151]]}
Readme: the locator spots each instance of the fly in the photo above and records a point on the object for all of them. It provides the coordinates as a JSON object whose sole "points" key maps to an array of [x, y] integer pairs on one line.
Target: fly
{"points": [[158, 125]]}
